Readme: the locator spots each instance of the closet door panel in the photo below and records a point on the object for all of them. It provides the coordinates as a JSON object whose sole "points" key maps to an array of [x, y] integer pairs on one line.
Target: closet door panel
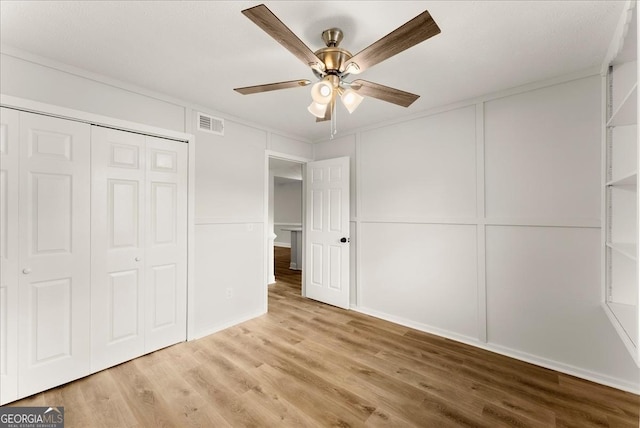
{"points": [[118, 276], [54, 336], [166, 243], [9, 253]]}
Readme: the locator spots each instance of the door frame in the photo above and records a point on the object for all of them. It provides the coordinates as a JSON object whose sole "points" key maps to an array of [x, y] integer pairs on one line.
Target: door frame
{"points": [[30, 106], [271, 154]]}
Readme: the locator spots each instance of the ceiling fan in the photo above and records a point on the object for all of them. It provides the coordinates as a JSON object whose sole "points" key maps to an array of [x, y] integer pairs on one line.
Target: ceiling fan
{"points": [[332, 64]]}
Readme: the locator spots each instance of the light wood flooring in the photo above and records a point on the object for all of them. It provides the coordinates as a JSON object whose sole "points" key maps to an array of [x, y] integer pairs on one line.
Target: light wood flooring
{"points": [[309, 364]]}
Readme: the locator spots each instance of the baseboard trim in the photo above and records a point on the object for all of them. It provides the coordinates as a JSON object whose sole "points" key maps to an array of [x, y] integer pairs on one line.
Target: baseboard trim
{"points": [[508, 352], [219, 327], [282, 244]]}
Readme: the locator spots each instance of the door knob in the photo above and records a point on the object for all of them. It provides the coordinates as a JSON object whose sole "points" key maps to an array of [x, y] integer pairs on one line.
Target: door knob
{"points": [[26, 271], [343, 240], [137, 259]]}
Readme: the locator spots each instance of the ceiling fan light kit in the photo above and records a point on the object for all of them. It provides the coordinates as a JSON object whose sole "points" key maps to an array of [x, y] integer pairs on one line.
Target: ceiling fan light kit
{"points": [[351, 100], [322, 92], [317, 109], [332, 64]]}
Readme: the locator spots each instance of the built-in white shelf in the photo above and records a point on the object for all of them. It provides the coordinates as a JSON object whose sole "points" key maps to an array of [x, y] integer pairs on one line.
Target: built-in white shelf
{"points": [[626, 249], [624, 311], [620, 188], [626, 316], [627, 112], [627, 180]]}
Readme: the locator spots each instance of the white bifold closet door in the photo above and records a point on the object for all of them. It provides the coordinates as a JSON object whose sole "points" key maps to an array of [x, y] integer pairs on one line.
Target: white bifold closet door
{"points": [[9, 252], [139, 240], [54, 252]]}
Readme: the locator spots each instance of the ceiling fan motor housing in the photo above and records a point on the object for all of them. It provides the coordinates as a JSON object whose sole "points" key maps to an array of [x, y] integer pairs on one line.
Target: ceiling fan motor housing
{"points": [[332, 37], [332, 56]]}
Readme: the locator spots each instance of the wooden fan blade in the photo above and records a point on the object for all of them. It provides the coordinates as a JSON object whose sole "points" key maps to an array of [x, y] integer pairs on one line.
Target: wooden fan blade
{"points": [[384, 93], [265, 19], [272, 86], [410, 34]]}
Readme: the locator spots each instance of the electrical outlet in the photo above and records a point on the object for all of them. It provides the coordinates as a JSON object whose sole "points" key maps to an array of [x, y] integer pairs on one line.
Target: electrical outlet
{"points": [[229, 293]]}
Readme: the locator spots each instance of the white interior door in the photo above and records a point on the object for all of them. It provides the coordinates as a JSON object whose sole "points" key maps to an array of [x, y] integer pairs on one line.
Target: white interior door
{"points": [[9, 253], [54, 329], [118, 161], [166, 243], [327, 231]]}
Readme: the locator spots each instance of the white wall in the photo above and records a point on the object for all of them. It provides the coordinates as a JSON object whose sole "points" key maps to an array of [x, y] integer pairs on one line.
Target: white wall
{"points": [[230, 173], [422, 169], [287, 197], [482, 223], [542, 153], [288, 202], [230, 182], [46, 84], [417, 179]]}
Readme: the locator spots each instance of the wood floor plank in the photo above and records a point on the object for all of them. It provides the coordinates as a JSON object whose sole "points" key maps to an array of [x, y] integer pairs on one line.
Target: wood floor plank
{"points": [[271, 400], [456, 392], [449, 414], [181, 355], [485, 390], [616, 422], [382, 417], [401, 401], [553, 398], [623, 403], [195, 410], [295, 367], [499, 416], [341, 336], [324, 411], [235, 409], [272, 396], [106, 403], [146, 403], [516, 404], [407, 346], [72, 399], [221, 345]]}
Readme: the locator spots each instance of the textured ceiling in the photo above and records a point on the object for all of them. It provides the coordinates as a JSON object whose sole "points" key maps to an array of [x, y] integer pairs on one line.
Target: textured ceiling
{"points": [[199, 51]]}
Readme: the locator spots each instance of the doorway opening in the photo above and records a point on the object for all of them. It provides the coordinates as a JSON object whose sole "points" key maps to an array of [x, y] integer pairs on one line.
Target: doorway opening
{"points": [[323, 250], [283, 271], [285, 222]]}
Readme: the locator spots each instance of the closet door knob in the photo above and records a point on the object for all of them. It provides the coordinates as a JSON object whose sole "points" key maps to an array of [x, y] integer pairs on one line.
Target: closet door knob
{"points": [[26, 271], [137, 259]]}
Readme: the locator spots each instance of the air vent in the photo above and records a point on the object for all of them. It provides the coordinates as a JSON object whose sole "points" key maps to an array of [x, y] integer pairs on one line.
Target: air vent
{"points": [[211, 124]]}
